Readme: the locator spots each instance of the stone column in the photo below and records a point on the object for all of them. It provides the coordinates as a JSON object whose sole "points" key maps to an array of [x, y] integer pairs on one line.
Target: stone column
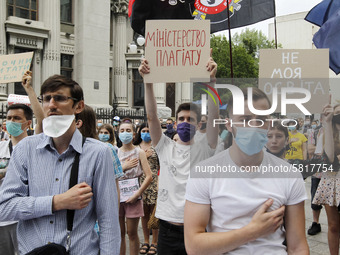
{"points": [[120, 88], [92, 50], [3, 48], [160, 93], [49, 12]]}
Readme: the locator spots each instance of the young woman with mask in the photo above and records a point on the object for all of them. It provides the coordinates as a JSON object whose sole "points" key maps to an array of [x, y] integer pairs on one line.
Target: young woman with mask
{"points": [[297, 142], [106, 135], [328, 192], [277, 140], [134, 162], [143, 140]]}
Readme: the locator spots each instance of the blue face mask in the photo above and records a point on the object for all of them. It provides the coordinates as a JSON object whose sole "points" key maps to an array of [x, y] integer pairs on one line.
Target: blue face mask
{"points": [[251, 140], [186, 131], [125, 137], [291, 128], [104, 137], [313, 126], [146, 137], [224, 134], [14, 128], [99, 124]]}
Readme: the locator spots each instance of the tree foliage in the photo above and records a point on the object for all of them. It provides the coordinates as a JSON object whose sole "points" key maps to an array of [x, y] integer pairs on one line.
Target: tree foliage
{"points": [[245, 55]]}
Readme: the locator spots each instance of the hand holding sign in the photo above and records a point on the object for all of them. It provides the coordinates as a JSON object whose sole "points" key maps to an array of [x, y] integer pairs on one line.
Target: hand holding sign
{"points": [[328, 112], [212, 66], [144, 67], [27, 80]]}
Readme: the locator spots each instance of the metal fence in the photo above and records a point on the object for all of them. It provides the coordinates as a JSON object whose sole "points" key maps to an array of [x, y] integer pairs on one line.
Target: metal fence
{"points": [[3, 112], [107, 114]]}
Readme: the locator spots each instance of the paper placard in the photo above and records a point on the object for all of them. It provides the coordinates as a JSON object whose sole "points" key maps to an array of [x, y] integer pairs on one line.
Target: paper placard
{"points": [[13, 67], [177, 50], [306, 69], [18, 99], [128, 188]]}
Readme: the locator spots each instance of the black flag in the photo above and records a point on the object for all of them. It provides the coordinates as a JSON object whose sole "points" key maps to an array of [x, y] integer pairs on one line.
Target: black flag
{"points": [[143, 10], [241, 12]]}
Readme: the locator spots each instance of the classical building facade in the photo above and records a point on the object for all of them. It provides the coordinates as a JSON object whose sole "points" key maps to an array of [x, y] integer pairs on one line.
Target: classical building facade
{"points": [[90, 41]]}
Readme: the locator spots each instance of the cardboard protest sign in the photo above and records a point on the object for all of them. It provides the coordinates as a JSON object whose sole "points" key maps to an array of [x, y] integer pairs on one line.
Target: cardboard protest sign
{"points": [[291, 69], [177, 50], [18, 99], [13, 67]]}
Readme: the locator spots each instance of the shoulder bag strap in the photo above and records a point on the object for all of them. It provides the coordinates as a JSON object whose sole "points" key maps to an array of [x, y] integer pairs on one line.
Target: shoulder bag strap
{"points": [[10, 147], [73, 181]]}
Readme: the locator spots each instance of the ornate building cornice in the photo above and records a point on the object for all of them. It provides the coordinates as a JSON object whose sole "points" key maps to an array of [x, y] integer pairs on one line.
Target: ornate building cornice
{"points": [[120, 6]]}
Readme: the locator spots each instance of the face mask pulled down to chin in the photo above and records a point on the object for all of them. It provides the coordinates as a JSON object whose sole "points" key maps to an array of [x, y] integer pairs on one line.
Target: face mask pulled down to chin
{"points": [[57, 125]]}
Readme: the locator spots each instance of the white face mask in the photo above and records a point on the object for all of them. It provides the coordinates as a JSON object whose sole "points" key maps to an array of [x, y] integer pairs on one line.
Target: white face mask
{"points": [[57, 125]]}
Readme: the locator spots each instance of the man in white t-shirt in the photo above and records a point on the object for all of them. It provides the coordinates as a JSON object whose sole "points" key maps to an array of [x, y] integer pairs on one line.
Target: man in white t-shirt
{"points": [[175, 159], [19, 118], [243, 209]]}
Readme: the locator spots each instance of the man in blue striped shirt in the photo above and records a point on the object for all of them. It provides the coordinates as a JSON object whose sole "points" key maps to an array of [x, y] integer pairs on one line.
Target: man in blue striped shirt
{"points": [[36, 188]]}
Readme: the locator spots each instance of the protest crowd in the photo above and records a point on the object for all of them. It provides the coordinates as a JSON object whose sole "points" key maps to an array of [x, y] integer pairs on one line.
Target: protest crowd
{"points": [[83, 185], [72, 183]]}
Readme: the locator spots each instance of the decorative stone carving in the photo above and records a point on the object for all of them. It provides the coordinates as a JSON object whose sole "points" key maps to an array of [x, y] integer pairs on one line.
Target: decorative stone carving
{"points": [[120, 6], [67, 49], [51, 55], [119, 71]]}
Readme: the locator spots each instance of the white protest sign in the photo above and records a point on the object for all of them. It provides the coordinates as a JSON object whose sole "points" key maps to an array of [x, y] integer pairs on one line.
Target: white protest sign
{"points": [[177, 50], [127, 188], [13, 67], [18, 99], [306, 69]]}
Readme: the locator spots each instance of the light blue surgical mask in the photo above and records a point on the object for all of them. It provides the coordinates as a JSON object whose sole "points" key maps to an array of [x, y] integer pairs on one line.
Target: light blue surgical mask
{"points": [[292, 128], [125, 137], [14, 128], [224, 134], [104, 137], [313, 126], [146, 137], [251, 140]]}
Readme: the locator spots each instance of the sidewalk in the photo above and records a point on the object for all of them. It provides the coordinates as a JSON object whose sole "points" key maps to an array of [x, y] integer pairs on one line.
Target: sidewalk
{"points": [[318, 244]]}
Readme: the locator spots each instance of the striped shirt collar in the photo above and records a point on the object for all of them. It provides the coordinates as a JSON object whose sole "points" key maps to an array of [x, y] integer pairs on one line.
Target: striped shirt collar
{"points": [[76, 142]]}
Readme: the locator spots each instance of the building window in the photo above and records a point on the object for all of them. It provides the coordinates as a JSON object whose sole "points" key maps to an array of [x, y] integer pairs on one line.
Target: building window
{"points": [[66, 11], [27, 9], [66, 65], [138, 88], [18, 88]]}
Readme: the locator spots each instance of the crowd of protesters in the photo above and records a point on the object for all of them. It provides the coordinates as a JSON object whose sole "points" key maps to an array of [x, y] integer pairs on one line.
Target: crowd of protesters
{"points": [[129, 171]]}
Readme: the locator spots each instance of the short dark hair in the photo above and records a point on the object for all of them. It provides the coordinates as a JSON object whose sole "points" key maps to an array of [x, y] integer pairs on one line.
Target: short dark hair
{"points": [[57, 81], [27, 110], [189, 107], [257, 95], [278, 126], [170, 119]]}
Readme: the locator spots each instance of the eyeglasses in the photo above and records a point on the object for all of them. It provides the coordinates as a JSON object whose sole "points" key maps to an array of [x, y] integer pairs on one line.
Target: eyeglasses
{"points": [[57, 98]]}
